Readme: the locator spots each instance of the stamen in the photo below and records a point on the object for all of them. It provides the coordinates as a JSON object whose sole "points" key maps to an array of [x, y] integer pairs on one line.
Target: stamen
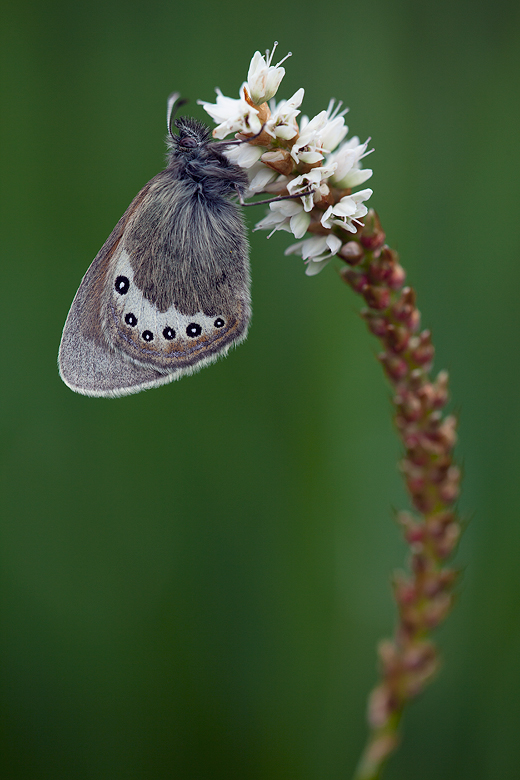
{"points": [[269, 55], [289, 54], [335, 111]]}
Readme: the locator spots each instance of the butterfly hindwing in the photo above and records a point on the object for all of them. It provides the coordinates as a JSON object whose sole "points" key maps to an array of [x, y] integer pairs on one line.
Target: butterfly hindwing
{"points": [[170, 340]]}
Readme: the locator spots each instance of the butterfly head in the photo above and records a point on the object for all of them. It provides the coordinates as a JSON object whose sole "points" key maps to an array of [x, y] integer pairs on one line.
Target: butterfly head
{"points": [[197, 160], [191, 137]]}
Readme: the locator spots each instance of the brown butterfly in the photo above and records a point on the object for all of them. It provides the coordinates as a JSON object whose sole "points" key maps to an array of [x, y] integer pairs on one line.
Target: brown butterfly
{"points": [[169, 292]]}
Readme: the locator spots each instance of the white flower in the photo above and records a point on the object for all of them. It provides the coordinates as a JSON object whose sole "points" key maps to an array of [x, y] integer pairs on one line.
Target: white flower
{"points": [[248, 157], [314, 181], [244, 154], [233, 115], [316, 251], [306, 148], [263, 79], [282, 122], [349, 172], [320, 134], [335, 130], [349, 210], [285, 215], [260, 176]]}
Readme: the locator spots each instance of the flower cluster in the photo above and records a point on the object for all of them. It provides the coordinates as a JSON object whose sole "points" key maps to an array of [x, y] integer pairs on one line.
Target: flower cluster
{"points": [[306, 164]]}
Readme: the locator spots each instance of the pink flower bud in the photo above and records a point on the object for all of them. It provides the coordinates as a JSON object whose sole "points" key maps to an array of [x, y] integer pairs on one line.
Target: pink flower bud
{"points": [[352, 252], [446, 544], [447, 432], [381, 704], [376, 297], [419, 656], [427, 394], [441, 390], [397, 338], [423, 354], [409, 406], [377, 325], [404, 310], [353, 277], [404, 590], [449, 492], [397, 277], [389, 657], [372, 235], [395, 367], [436, 610], [424, 501]]}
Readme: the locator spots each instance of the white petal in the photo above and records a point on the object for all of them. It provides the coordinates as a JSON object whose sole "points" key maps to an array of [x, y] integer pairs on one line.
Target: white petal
{"points": [[264, 177], [295, 249], [289, 208], [325, 220], [245, 155], [345, 208], [310, 157], [270, 219], [314, 246], [356, 177], [299, 224], [362, 194], [334, 243], [314, 268], [285, 132]]}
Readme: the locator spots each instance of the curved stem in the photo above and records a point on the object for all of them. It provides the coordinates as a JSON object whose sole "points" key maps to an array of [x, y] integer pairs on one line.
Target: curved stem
{"points": [[423, 596]]}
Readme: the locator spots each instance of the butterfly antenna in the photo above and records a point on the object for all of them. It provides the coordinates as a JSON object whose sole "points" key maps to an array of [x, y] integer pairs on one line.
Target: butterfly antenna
{"points": [[173, 100]]}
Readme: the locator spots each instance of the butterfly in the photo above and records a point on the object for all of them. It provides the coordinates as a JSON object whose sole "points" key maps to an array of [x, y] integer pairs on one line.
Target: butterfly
{"points": [[169, 291]]}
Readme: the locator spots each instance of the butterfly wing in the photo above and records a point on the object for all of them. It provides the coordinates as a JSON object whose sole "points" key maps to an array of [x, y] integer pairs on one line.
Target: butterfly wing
{"points": [[167, 294], [168, 341]]}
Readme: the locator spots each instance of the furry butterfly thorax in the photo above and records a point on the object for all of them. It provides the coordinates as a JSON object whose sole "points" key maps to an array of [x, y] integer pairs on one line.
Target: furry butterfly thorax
{"points": [[169, 291]]}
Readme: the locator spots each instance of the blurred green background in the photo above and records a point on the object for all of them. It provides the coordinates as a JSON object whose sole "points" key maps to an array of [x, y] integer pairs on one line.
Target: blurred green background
{"points": [[194, 578]]}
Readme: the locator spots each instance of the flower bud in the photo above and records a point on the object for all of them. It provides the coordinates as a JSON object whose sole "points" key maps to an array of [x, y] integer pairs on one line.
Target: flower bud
{"points": [[405, 591], [404, 309], [449, 491], [447, 432], [395, 367], [414, 532], [397, 338], [441, 390], [411, 407], [357, 280], [447, 542], [427, 395], [389, 657], [397, 277], [436, 610], [376, 297], [422, 351], [352, 252], [372, 234], [279, 160], [419, 656], [377, 325], [381, 704]]}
